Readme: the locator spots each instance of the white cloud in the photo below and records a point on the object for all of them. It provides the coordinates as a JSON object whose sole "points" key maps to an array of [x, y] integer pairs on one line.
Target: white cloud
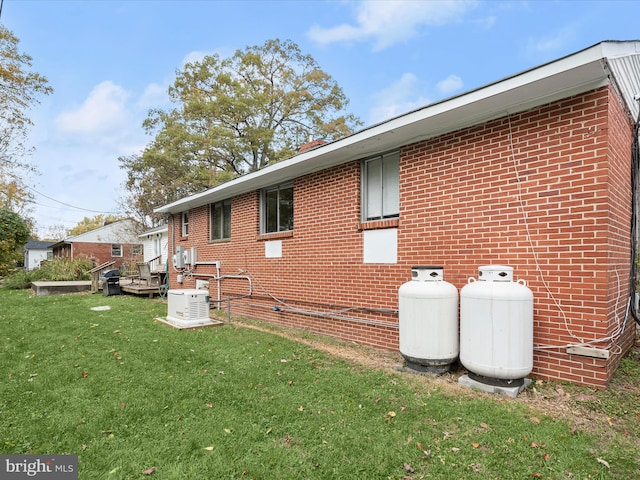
{"points": [[103, 111], [194, 56], [401, 97], [387, 23], [552, 43], [154, 95], [449, 85]]}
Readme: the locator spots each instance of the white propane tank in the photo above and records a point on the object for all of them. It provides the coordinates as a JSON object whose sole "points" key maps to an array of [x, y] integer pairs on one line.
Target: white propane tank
{"points": [[496, 327], [428, 320]]}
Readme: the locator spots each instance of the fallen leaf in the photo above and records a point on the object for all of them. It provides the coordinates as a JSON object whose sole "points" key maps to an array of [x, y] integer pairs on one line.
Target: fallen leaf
{"points": [[546, 456], [603, 462], [149, 471], [455, 450], [227, 430], [209, 405], [392, 414], [475, 445], [408, 468], [300, 408], [427, 453], [609, 421], [536, 475], [208, 448], [84, 374], [484, 425], [534, 445], [535, 420]]}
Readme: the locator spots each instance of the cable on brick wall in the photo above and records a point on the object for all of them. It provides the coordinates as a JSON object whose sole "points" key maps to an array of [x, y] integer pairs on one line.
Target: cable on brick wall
{"points": [[611, 339], [635, 190], [337, 314]]}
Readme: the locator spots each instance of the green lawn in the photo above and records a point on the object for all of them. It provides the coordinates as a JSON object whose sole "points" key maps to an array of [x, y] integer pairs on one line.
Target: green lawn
{"points": [[129, 395]]}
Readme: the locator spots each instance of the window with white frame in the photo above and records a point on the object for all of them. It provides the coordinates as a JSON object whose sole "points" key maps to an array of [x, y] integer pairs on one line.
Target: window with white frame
{"points": [[185, 224], [277, 208], [381, 187], [220, 224], [116, 250]]}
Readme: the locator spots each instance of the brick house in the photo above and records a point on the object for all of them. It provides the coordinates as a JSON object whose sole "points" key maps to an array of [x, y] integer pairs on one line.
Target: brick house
{"points": [[533, 171], [112, 242]]}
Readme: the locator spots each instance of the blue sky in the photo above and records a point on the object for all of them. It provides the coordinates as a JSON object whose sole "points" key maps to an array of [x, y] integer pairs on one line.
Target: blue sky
{"points": [[109, 62]]}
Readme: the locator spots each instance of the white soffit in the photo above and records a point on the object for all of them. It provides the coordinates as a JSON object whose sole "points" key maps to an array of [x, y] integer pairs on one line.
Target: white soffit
{"points": [[571, 75]]}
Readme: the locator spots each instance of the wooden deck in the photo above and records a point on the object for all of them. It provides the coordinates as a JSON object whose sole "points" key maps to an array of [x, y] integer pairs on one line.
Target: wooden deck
{"points": [[137, 287]]}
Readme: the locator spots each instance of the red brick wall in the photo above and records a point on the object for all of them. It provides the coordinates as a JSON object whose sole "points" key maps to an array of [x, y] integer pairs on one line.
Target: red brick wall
{"points": [[546, 192], [99, 253]]}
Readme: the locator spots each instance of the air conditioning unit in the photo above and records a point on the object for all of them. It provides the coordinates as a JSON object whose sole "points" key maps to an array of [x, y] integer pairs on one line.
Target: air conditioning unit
{"points": [[178, 258], [188, 307]]}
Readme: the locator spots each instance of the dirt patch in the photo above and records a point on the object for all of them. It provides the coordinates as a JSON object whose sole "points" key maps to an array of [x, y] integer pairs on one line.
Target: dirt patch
{"points": [[609, 412]]}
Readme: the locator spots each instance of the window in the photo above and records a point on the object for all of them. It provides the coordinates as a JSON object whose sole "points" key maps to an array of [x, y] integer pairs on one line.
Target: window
{"points": [[380, 192], [116, 250], [185, 224], [220, 220], [277, 209], [136, 250]]}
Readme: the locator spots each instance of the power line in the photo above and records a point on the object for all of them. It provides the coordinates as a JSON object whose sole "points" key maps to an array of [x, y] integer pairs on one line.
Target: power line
{"points": [[69, 205]]}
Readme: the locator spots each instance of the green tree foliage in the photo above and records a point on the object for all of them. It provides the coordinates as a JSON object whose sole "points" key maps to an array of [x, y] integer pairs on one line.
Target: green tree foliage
{"points": [[87, 224], [14, 234], [19, 91], [232, 116]]}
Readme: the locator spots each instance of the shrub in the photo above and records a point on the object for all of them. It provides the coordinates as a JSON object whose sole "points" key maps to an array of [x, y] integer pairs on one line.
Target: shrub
{"points": [[56, 270]]}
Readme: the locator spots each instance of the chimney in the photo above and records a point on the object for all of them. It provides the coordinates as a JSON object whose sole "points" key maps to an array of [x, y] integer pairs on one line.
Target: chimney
{"points": [[311, 145]]}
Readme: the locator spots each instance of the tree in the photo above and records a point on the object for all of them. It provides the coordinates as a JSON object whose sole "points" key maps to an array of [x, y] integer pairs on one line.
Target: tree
{"points": [[14, 234], [19, 91], [87, 224], [232, 116]]}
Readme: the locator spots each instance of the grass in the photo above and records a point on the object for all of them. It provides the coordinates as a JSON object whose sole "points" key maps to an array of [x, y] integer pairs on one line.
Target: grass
{"points": [[128, 395]]}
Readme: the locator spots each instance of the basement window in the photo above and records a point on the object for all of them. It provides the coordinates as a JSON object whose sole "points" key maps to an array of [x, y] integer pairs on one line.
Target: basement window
{"points": [[381, 187], [116, 250]]}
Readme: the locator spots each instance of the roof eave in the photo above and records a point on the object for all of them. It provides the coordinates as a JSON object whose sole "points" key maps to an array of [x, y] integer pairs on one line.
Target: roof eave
{"points": [[568, 76]]}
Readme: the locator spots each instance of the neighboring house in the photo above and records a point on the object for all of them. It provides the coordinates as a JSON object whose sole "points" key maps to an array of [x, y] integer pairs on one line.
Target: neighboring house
{"points": [[114, 241], [35, 252], [533, 171], [155, 243]]}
